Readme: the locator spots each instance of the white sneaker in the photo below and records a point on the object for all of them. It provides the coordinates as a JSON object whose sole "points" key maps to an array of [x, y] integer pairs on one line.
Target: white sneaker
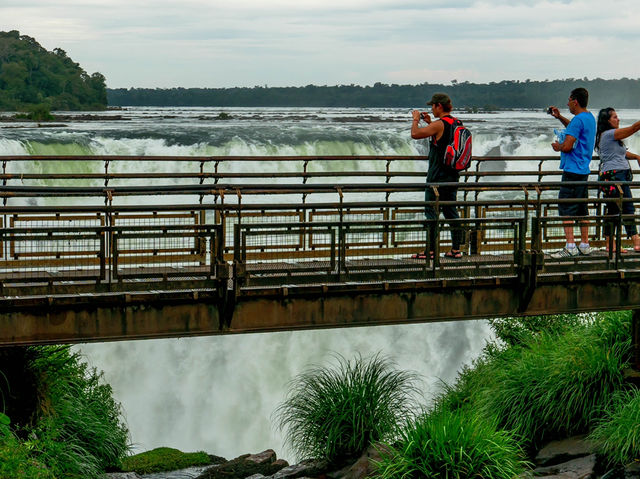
{"points": [[584, 249], [565, 253]]}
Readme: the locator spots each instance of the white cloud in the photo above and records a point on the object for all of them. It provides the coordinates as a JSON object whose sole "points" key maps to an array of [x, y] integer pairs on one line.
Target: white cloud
{"points": [[295, 42]]}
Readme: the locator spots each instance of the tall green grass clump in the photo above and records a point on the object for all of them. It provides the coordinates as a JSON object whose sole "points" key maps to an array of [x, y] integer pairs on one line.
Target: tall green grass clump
{"points": [[72, 428], [555, 385], [452, 445], [335, 413], [81, 427], [618, 434]]}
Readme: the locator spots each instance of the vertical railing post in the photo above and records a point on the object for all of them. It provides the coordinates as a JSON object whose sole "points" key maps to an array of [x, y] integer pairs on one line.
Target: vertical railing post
{"points": [[342, 248], [4, 181]]}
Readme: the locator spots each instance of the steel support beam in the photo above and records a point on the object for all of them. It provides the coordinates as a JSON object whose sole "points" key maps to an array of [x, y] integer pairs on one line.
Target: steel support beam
{"points": [[154, 315], [109, 318]]}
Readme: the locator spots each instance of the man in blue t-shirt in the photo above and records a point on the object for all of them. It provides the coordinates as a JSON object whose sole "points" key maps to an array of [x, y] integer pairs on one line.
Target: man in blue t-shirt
{"points": [[576, 151]]}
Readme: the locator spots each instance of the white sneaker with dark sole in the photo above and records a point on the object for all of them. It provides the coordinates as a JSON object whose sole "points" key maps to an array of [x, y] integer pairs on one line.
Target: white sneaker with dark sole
{"points": [[565, 253], [584, 250]]}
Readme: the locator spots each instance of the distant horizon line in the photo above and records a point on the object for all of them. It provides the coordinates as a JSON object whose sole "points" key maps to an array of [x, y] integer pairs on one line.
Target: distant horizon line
{"points": [[450, 84]]}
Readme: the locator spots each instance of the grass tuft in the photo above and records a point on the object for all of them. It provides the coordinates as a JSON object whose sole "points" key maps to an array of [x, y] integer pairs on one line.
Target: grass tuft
{"points": [[618, 433], [452, 445], [335, 413]]}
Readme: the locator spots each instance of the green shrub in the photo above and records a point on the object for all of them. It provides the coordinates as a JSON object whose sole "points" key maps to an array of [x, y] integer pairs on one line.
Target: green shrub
{"points": [[556, 385], [80, 430], [452, 445], [618, 434], [16, 460], [164, 459], [518, 331], [336, 413]]}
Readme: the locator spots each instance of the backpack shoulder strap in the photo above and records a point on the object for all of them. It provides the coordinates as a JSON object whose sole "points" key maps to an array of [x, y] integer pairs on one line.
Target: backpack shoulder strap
{"points": [[448, 119]]}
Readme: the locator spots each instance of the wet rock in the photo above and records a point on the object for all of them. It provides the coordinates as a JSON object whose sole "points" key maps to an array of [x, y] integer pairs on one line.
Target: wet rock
{"points": [[364, 466], [121, 475], [216, 459], [308, 468], [581, 468], [557, 452], [247, 465]]}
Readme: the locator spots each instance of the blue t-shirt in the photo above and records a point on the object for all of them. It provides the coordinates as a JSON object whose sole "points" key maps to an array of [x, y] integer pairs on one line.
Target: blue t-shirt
{"points": [[583, 128]]}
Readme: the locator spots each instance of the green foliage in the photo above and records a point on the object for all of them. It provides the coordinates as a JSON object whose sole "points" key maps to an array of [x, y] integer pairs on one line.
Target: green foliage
{"points": [[31, 75], [5, 429], [80, 431], [40, 112], [164, 459], [336, 413], [520, 330], [622, 93], [551, 386], [65, 420], [618, 433], [452, 445], [18, 462]]}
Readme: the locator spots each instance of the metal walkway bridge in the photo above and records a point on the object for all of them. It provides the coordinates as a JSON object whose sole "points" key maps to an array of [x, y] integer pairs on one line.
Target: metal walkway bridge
{"points": [[110, 248]]}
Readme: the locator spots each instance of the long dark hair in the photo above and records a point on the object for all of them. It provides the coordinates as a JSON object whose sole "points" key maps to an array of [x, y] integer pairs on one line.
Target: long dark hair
{"points": [[603, 125]]}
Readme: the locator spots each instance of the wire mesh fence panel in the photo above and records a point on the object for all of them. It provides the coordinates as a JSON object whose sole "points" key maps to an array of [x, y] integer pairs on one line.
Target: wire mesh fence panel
{"points": [[349, 214], [53, 254], [230, 219], [162, 251], [53, 246], [181, 248], [272, 243]]}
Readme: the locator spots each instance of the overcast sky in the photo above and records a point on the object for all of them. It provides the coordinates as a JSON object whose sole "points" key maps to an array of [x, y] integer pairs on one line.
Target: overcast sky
{"points": [[225, 43]]}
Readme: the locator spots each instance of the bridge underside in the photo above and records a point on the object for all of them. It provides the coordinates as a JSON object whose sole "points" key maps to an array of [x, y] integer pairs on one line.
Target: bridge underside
{"points": [[137, 315]]}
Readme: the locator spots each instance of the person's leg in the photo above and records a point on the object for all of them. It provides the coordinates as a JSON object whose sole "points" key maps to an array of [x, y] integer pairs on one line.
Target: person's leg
{"points": [[430, 214], [451, 212], [565, 209], [568, 233], [582, 192], [628, 209]]}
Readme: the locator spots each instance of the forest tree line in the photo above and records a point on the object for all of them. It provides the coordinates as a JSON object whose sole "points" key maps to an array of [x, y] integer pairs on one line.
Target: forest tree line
{"points": [[31, 75], [621, 93]]}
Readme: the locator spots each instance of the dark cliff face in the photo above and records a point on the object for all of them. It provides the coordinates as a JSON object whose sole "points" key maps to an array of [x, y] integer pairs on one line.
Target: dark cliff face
{"points": [[31, 75], [18, 386]]}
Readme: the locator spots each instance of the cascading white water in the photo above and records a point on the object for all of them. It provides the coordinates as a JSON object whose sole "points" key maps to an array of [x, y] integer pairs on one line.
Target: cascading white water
{"points": [[218, 393]]}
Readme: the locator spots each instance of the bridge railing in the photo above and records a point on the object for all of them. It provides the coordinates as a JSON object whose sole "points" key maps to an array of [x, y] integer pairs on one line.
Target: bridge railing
{"points": [[59, 249], [321, 252], [274, 230], [112, 171]]}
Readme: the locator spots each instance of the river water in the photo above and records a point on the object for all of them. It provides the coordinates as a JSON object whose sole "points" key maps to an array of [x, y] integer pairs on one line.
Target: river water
{"points": [[217, 394]]}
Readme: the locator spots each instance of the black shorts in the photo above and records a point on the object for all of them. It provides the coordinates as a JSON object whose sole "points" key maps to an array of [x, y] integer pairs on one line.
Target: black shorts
{"points": [[573, 191]]}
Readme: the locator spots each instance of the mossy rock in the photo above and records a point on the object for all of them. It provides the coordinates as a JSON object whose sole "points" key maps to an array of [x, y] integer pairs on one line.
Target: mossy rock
{"points": [[165, 459]]}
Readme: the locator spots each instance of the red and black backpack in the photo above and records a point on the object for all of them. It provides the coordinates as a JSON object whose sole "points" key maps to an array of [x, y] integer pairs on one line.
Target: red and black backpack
{"points": [[457, 154]]}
